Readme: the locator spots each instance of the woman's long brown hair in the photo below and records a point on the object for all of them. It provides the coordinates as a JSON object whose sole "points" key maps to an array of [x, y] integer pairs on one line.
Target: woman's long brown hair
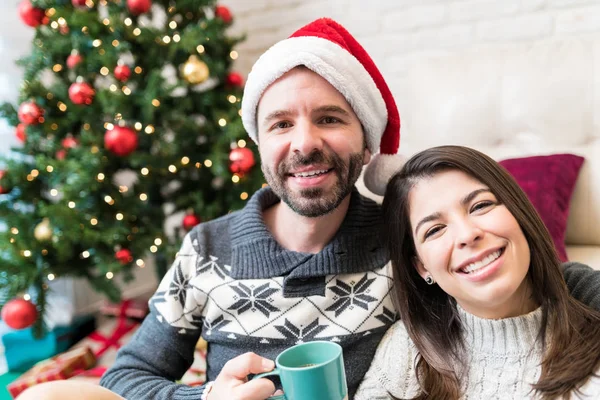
{"points": [[570, 332]]}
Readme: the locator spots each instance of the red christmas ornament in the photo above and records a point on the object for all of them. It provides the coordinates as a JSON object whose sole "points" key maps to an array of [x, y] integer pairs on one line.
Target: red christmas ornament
{"points": [[138, 7], [30, 113], [235, 79], [124, 256], [224, 13], [121, 140], [61, 154], [20, 133], [30, 15], [69, 142], [78, 3], [81, 93], [19, 313], [122, 72], [190, 221], [242, 160], [73, 60], [3, 189]]}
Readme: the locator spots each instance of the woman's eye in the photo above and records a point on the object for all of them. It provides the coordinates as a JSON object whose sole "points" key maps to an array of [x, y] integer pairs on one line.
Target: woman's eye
{"points": [[433, 231], [481, 205]]}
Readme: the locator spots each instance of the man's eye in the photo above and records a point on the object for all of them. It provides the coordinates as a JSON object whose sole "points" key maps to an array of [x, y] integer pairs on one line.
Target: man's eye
{"points": [[330, 120], [281, 125]]}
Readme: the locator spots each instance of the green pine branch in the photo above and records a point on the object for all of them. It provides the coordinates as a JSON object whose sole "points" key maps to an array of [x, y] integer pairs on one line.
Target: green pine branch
{"points": [[182, 158]]}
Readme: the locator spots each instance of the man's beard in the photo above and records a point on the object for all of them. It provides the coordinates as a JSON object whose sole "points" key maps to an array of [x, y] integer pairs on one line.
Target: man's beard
{"points": [[315, 202]]}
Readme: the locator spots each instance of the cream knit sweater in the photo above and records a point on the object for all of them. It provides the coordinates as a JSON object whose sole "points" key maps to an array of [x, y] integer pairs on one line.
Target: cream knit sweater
{"points": [[504, 362]]}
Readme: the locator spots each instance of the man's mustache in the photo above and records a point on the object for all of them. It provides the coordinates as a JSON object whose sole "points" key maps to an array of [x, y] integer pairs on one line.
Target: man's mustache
{"points": [[315, 157]]}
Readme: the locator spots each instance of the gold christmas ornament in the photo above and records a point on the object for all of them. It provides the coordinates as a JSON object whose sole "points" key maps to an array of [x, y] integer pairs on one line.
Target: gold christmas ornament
{"points": [[43, 231], [195, 71]]}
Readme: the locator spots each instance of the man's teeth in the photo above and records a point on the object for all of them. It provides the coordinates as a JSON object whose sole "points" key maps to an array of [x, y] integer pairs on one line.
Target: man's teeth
{"points": [[483, 263], [310, 173]]}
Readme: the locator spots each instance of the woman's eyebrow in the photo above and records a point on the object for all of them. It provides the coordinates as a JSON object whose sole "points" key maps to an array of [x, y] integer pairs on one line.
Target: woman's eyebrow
{"points": [[469, 198], [431, 217]]}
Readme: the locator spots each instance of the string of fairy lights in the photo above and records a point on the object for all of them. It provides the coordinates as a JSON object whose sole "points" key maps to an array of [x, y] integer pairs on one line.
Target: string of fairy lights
{"points": [[44, 231]]}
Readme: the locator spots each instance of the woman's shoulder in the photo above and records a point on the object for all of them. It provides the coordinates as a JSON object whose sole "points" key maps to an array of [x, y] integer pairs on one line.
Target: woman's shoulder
{"points": [[395, 341], [396, 334], [394, 362]]}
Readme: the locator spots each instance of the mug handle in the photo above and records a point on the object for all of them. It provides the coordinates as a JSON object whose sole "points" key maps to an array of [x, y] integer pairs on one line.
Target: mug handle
{"points": [[271, 373], [264, 374]]}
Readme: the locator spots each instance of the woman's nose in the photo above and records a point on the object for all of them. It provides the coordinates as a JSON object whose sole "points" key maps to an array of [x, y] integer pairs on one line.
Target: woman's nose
{"points": [[468, 234]]}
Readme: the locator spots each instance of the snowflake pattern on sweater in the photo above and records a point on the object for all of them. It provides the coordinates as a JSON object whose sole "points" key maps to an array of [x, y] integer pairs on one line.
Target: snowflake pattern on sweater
{"points": [[199, 293]]}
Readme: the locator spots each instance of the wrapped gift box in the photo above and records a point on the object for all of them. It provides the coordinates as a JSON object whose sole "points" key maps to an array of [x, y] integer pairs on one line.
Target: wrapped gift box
{"points": [[22, 350], [132, 308], [105, 342], [108, 338], [62, 366]]}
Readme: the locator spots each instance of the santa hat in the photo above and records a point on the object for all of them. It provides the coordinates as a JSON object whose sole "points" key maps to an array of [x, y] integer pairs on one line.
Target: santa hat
{"points": [[328, 49]]}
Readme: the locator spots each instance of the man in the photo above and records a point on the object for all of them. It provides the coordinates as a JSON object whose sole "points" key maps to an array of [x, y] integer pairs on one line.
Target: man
{"points": [[304, 259]]}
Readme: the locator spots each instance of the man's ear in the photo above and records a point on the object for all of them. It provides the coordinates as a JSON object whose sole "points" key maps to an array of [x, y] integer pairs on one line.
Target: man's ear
{"points": [[420, 268], [367, 157]]}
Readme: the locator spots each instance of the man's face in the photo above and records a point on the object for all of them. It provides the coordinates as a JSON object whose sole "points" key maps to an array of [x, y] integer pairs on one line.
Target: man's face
{"points": [[310, 141]]}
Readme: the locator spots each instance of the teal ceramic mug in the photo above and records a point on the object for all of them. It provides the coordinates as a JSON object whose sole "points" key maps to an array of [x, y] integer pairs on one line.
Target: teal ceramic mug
{"points": [[312, 370]]}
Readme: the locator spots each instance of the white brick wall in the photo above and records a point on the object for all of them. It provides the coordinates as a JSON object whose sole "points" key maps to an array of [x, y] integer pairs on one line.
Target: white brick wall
{"points": [[578, 20], [393, 31], [15, 39], [396, 31]]}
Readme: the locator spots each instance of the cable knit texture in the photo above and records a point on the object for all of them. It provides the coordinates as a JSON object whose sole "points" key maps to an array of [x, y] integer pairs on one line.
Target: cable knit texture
{"points": [[503, 362]]}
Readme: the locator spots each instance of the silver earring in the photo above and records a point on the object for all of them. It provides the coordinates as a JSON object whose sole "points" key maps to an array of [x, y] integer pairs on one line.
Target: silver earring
{"points": [[429, 280]]}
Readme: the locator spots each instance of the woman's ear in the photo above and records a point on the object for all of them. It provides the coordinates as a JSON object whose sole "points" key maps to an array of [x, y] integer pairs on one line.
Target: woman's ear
{"points": [[420, 268]]}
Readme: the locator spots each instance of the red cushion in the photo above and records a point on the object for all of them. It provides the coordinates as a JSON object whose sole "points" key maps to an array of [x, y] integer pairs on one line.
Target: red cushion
{"points": [[548, 181]]}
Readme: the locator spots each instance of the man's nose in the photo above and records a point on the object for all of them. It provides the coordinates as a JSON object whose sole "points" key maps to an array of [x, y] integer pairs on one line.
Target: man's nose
{"points": [[306, 138]]}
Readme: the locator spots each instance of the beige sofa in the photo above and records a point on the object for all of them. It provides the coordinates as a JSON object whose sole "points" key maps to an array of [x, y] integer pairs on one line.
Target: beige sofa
{"points": [[514, 101]]}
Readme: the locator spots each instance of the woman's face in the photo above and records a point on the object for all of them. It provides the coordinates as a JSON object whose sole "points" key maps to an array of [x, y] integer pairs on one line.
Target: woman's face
{"points": [[470, 244]]}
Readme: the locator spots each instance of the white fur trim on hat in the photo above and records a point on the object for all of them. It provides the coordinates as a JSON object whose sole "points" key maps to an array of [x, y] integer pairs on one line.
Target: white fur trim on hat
{"points": [[380, 170], [335, 64]]}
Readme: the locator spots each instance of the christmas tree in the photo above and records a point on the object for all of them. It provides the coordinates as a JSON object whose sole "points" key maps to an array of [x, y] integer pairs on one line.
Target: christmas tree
{"points": [[128, 114]]}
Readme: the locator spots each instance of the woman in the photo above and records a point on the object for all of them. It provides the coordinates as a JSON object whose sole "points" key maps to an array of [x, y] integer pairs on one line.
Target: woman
{"points": [[484, 309]]}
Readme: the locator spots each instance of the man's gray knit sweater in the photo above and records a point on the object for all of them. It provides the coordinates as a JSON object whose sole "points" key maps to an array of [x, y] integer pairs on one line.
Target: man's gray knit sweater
{"points": [[235, 285]]}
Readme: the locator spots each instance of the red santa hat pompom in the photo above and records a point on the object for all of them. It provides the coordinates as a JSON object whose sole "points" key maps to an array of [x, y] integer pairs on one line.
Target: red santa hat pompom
{"points": [[328, 49]]}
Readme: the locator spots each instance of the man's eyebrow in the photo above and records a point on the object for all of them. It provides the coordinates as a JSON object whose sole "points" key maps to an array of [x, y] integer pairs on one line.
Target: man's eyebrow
{"points": [[276, 115], [331, 108]]}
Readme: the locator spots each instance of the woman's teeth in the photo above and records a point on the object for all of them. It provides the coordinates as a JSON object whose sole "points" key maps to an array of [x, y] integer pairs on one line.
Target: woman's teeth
{"points": [[483, 263], [310, 173]]}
